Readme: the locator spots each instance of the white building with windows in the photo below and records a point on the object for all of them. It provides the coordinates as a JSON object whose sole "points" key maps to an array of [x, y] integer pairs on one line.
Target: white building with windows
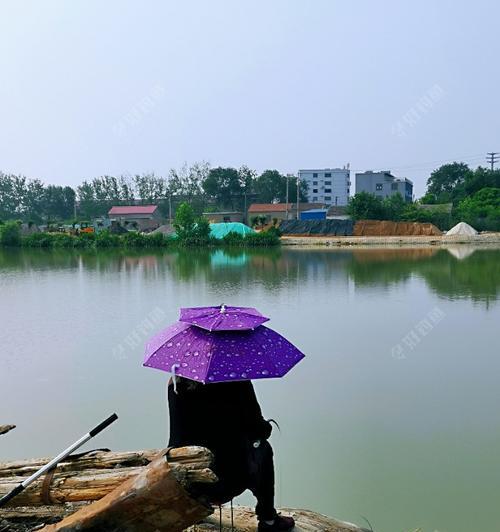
{"points": [[330, 186]]}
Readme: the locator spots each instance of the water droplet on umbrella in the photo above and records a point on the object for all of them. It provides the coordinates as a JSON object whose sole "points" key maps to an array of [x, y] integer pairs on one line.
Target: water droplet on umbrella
{"points": [[265, 372], [170, 344], [196, 353], [244, 375], [232, 374]]}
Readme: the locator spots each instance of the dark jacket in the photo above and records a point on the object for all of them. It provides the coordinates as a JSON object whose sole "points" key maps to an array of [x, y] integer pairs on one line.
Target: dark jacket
{"points": [[224, 417]]}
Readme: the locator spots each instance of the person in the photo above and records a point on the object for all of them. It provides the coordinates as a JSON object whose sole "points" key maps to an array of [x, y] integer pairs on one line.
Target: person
{"points": [[226, 418]]}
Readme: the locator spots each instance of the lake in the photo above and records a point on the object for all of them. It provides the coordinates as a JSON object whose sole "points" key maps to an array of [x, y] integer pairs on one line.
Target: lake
{"points": [[392, 415]]}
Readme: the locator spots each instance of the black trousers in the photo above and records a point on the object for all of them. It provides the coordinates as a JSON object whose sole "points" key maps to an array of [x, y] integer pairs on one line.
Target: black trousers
{"points": [[255, 472]]}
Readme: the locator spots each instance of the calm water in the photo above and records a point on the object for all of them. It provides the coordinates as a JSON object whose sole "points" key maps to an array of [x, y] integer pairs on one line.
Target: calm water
{"points": [[393, 415]]}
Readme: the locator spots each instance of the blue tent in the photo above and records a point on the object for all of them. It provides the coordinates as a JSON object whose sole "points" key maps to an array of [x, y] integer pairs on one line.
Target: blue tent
{"points": [[220, 230]]}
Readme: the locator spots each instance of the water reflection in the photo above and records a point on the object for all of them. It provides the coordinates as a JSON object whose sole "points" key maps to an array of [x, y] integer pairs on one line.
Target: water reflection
{"points": [[457, 272]]}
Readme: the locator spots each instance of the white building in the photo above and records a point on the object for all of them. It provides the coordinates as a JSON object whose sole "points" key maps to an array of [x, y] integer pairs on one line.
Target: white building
{"points": [[330, 186]]}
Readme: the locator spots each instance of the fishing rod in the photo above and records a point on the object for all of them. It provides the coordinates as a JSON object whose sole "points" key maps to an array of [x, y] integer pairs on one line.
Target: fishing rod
{"points": [[59, 458]]}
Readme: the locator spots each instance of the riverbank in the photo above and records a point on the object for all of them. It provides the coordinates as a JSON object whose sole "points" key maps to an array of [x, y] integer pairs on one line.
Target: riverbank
{"points": [[389, 241]]}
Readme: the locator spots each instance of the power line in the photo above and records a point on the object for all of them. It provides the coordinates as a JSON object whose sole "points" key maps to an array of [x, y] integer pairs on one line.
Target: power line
{"points": [[492, 157], [429, 164]]}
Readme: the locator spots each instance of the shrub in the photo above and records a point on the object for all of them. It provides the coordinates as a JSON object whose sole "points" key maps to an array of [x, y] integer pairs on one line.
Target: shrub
{"points": [[37, 240], [104, 239], [62, 240], [157, 240], [133, 239], [233, 239], [10, 234]]}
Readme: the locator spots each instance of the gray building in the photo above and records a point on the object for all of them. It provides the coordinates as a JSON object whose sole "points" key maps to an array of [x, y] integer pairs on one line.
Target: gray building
{"points": [[330, 186], [383, 184]]}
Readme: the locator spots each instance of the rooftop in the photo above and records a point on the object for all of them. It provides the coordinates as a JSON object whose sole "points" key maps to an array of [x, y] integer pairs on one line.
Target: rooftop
{"points": [[132, 209]]}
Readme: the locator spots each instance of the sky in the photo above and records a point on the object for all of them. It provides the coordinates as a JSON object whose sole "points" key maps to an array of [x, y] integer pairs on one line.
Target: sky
{"points": [[89, 88]]}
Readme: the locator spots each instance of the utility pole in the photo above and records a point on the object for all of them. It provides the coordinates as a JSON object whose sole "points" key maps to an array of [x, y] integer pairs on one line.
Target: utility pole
{"points": [[492, 157], [298, 195], [286, 197]]}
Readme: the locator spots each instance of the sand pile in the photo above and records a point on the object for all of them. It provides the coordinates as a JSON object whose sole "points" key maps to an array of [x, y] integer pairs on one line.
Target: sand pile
{"points": [[461, 229]]}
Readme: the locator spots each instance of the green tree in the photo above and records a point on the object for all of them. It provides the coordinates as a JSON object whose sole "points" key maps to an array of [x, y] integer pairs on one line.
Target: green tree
{"points": [[482, 209], [393, 206], [481, 178], [150, 187], [271, 187], [447, 183], [58, 202], [185, 220], [10, 234], [365, 206], [224, 185]]}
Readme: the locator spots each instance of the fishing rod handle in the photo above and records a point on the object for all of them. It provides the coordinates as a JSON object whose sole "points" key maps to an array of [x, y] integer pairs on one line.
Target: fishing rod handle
{"points": [[7, 497], [103, 425]]}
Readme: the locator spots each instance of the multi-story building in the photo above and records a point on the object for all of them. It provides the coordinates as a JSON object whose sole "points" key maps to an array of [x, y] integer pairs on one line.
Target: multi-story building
{"points": [[383, 184], [330, 186]]}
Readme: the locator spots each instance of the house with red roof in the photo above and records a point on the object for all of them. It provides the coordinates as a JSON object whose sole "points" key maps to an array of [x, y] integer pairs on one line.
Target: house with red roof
{"points": [[140, 217]]}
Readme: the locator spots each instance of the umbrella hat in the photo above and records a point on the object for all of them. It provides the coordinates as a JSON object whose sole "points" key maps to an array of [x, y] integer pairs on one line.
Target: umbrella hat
{"points": [[204, 356], [223, 318]]}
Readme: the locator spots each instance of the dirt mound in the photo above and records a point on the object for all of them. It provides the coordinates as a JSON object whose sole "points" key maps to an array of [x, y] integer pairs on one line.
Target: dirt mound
{"points": [[387, 228]]}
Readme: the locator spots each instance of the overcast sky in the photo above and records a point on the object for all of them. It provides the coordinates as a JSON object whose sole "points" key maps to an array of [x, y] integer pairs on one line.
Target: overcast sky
{"points": [[91, 87]]}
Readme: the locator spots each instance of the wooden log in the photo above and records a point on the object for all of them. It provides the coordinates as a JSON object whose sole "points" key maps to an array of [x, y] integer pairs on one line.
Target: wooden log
{"points": [[6, 428], [153, 500], [90, 477], [245, 521]]}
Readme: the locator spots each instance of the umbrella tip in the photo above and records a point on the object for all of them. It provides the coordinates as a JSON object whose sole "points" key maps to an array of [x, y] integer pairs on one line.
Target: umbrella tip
{"points": [[223, 308]]}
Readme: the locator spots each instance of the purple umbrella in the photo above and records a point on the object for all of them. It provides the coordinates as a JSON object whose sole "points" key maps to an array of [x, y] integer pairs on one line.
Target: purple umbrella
{"points": [[223, 318], [200, 355]]}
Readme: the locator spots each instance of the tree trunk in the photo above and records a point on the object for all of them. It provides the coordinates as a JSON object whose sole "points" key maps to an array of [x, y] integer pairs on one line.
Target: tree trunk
{"points": [[94, 475], [245, 521], [152, 500]]}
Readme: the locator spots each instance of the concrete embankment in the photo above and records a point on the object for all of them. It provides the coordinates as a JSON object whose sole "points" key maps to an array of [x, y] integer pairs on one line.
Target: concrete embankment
{"points": [[390, 241]]}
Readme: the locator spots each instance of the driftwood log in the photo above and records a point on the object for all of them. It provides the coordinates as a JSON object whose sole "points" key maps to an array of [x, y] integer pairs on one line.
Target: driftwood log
{"points": [[151, 501], [6, 428], [137, 491], [245, 521], [92, 476]]}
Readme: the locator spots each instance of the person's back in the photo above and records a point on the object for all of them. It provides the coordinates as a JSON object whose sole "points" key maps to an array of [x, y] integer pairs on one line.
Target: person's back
{"points": [[227, 419]]}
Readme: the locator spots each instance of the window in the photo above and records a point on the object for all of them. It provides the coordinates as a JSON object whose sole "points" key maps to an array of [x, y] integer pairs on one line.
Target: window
{"points": [[315, 174], [328, 190], [328, 174], [379, 186], [315, 183], [315, 191], [394, 186], [328, 198], [315, 199], [328, 182], [227, 219]]}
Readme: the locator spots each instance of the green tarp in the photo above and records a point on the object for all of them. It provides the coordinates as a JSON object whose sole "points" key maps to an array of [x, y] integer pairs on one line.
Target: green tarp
{"points": [[220, 230]]}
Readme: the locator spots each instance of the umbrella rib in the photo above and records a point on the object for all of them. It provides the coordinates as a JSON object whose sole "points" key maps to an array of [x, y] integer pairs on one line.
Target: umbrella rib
{"points": [[210, 358]]}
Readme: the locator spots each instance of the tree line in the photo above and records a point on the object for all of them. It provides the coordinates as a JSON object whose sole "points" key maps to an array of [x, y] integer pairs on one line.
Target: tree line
{"points": [[205, 188]]}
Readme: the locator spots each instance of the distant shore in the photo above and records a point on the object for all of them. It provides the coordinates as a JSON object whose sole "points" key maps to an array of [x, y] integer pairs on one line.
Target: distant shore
{"points": [[392, 241]]}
